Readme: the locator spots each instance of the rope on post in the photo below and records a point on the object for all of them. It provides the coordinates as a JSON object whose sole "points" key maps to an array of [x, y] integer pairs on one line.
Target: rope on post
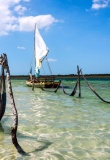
{"points": [[73, 92], [92, 89], [79, 83]]}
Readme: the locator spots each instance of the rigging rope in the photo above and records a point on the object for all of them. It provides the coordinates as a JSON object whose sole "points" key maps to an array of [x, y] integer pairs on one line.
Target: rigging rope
{"points": [[43, 69], [49, 66], [92, 89]]}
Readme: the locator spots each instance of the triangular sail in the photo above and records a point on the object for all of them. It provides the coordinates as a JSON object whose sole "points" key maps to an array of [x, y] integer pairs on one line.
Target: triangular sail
{"points": [[40, 50]]}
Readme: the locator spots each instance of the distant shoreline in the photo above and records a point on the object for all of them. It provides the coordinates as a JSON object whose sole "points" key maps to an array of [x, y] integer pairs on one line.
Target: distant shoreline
{"points": [[70, 76]]}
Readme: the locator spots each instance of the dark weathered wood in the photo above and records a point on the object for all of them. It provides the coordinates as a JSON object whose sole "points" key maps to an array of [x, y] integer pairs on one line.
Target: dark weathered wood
{"points": [[79, 83], [15, 113], [4, 64], [2, 95], [92, 89], [15, 141]]}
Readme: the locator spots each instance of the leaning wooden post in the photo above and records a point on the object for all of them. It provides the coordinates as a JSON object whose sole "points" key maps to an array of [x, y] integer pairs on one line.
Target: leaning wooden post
{"points": [[15, 123], [79, 84], [2, 94]]}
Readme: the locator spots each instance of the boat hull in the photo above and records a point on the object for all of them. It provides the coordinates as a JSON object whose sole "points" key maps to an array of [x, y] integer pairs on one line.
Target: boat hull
{"points": [[47, 84]]}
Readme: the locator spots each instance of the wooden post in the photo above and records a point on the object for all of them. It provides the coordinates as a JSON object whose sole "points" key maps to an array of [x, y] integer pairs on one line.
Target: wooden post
{"points": [[15, 113], [79, 84]]}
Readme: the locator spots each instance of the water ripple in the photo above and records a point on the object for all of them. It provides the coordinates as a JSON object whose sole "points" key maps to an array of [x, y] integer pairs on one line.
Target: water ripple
{"points": [[53, 126]]}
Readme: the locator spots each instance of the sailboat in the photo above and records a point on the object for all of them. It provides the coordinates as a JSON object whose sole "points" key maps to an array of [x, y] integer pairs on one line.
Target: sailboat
{"points": [[40, 53]]}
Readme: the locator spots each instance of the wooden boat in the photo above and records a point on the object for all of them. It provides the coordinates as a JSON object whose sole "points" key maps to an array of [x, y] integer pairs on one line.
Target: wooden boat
{"points": [[40, 53], [44, 84]]}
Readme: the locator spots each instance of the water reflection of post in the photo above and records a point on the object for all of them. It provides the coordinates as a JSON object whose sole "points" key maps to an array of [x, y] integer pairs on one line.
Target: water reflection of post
{"points": [[79, 84], [1, 128], [1, 138]]}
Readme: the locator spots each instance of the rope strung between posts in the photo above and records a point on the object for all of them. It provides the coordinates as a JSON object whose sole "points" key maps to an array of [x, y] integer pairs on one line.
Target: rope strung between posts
{"points": [[52, 87], [74, 89], [60, 83], [15, 122], [92, 89]]}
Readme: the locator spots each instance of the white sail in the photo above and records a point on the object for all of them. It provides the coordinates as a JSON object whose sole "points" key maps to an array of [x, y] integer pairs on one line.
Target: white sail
{"points": [[41, 50]]}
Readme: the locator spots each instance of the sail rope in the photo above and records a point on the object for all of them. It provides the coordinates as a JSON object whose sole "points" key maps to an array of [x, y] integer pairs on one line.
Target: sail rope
{"points": [[43, 69], [92, 89], [4, 63], [49, 66]]}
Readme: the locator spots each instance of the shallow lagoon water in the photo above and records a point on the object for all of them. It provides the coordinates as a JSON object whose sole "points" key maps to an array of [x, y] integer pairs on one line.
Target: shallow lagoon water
{"points": [[54, 126]]}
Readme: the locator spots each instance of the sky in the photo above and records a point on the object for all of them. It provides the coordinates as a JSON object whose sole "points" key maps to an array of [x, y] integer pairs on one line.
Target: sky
{"points": [[77, 32]]}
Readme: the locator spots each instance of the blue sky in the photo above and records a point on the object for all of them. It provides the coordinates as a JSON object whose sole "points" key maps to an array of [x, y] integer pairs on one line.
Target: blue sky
{"points": [[77, 32]]}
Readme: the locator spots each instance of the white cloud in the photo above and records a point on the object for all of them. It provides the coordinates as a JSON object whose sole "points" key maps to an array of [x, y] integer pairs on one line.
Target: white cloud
{"points": [[20, 9], [98, 4], [28, 23], [52, 60], [20, 47], [26, 0], [11, 19]]}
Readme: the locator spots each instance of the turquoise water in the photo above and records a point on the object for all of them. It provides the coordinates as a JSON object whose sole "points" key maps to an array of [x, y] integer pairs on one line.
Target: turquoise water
{"points": [[54, 126]]}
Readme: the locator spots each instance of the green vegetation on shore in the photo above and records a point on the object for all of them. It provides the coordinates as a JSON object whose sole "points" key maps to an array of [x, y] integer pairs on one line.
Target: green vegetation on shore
{"points": [[99, 76]]}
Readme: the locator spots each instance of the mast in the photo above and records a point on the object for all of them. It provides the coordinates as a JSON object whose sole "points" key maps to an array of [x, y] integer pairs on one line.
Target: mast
{"points": [[34, 50]]}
